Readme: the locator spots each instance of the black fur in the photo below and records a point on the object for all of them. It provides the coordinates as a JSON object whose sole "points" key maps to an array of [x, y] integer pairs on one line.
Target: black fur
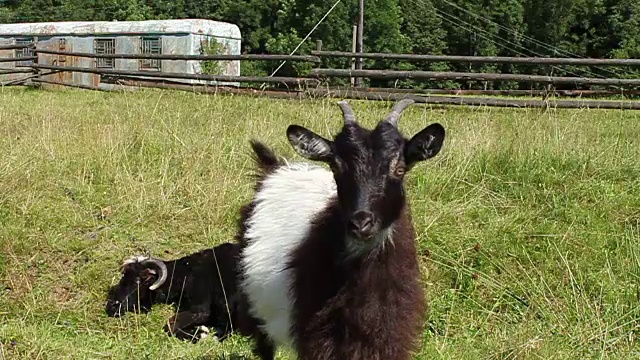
{"points": [[201, 286], [356, 285], [263, 156]]}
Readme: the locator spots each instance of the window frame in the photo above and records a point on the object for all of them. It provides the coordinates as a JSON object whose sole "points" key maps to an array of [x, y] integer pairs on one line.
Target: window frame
{"points": [[150, 45], [24, 52], [62, 46], [104, 63]]}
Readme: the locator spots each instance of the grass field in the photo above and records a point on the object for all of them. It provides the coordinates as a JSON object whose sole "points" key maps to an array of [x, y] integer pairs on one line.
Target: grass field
{"points": [[528, 221]]}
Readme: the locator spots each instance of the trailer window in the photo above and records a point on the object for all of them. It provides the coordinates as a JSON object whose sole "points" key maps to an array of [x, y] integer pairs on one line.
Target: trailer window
{"points": [[151, 45], [104, 46], [62, 46], [25, 52]]}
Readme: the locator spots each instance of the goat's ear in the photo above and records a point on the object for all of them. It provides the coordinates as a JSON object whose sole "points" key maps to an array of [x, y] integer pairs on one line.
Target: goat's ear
{"points": [[424, 145], [309, 144], [148, 274]]}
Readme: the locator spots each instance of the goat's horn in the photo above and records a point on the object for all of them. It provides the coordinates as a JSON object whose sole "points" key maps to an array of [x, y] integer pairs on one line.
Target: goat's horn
{"points": [[163, 272], [347, 112], [393, 117]]}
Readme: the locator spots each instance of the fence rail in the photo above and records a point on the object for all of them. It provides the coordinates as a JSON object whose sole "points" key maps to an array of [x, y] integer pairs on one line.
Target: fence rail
{"points": [[154, 74], [567, 93], [17, 46], [479, 101], [366, 95], [434, 75], [483, 59], [33, 77], [10, 71], [69, 84], [26, 58], [308, 86], [277, 57], [168, 85]]}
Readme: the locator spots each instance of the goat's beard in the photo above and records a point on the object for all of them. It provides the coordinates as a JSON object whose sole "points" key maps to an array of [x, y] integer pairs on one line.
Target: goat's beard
{"points": [[359, 247]]}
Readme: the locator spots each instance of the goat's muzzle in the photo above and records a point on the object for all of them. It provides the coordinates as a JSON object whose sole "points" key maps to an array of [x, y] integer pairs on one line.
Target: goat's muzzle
{"points": [[114, 308], [362, 225]]}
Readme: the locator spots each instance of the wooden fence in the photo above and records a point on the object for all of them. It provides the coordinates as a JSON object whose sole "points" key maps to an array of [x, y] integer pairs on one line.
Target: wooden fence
{"points": [[433, 75], [482, 59], [314, 84]]}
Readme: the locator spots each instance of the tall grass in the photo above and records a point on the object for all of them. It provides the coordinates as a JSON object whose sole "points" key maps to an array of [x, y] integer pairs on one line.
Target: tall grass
{"points": [[528, 221]]}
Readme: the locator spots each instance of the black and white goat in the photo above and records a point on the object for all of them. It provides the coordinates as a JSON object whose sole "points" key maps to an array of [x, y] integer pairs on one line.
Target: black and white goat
{"points": [[328, 264], [201, 286]]}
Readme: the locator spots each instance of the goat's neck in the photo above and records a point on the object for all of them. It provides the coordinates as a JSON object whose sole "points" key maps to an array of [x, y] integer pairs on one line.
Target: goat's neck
{"points": [[171, 289], [394, 260], [162, 295]]}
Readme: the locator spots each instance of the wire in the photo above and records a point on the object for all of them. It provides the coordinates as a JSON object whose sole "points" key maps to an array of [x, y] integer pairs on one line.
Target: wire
{"points": [[505, 40], [306, 37], [534, 40], [529, 38]]}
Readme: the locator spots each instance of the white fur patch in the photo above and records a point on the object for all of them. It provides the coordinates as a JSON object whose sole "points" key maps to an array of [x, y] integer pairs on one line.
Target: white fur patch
{"points": [[311, 147], [204, 332], [287, 202], [318, 147]]}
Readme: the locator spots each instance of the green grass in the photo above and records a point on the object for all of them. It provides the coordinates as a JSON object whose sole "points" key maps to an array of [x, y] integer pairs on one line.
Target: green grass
{"points": [[528, 221]]}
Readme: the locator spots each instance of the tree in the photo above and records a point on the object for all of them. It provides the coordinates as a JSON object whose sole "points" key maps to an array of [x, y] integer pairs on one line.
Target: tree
{"points": [[421, 24], [589, 28]]}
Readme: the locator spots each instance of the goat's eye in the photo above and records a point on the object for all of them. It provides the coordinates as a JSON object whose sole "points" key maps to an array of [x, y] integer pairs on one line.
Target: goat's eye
{"points": [[397, 168]]}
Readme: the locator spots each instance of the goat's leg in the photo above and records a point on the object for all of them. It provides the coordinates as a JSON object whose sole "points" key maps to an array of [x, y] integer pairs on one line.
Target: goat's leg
{"points": [[264, 347], [247, 325], [185, 324]]}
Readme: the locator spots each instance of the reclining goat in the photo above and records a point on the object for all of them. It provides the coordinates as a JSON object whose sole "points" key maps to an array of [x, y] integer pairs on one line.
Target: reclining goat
{"points": [[202, 286]]}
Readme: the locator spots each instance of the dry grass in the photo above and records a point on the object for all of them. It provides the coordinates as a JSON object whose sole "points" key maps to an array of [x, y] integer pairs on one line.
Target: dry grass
{"points": [[528, 221]]}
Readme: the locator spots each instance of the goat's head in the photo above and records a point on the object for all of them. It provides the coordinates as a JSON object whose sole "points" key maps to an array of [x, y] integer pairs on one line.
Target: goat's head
{"points": [[369, 166], [140, 276]]}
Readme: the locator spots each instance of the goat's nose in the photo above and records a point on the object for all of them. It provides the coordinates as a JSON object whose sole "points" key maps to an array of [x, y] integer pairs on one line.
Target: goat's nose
{"points": [[113, 310], [361, 224]]}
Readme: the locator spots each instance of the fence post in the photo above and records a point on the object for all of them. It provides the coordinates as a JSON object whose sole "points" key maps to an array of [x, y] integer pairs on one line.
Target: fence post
{"points": [[360, 39], [353, 49], [35, 48]]}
